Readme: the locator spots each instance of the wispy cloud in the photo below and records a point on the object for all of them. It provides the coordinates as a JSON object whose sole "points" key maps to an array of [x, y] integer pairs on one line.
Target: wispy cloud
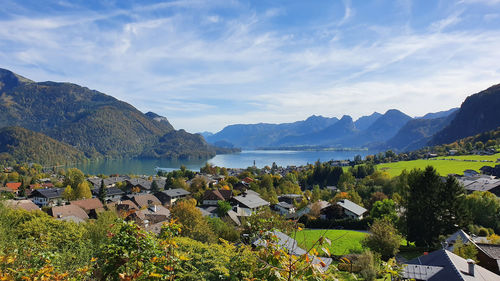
{"points": [[207, 64]]}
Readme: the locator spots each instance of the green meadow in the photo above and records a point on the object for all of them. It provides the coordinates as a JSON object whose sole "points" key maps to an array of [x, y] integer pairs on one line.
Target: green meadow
{"points": [[444, 165], [343, 241]]}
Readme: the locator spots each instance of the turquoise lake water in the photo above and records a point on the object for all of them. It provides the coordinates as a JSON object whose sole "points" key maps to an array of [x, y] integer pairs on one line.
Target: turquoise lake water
{"points": [[243, 159]]}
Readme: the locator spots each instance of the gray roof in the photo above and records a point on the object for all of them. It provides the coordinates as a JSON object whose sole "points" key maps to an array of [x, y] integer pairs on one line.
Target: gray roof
{"points": [[290, 245], [251, 201], [352, 207], [49, 193], [207, 211], [142, 182], [452, 267], [110, 191], [492, 250], [452, 239], [480, 183], [176, 192], [285, 205]]}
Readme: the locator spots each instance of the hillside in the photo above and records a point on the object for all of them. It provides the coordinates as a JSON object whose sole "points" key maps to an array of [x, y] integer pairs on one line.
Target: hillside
{"points": [[94, 123], [478, 113], [23, 145], [417, 132]]}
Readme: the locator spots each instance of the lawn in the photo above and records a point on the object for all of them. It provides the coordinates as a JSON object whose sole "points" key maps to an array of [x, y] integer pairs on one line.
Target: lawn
{"points": [[444, 165], [343, 241]]}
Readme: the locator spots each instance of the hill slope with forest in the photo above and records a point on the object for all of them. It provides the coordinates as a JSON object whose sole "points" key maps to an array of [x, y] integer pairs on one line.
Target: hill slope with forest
{"points": [[94, 123], [23, 145]]}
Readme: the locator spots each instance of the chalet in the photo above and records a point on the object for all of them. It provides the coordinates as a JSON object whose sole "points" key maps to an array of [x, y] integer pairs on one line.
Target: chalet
{"points": [[152, 215], [112, 193], [139, 184], [144, 200], [47, 196], [67, 211], [343, 209], [351, 209], [169, 196], [291, 246], [445, 265], [284, 208], [91, 206], [211, 197], [290, 198], [251, 201], [27, 205]]}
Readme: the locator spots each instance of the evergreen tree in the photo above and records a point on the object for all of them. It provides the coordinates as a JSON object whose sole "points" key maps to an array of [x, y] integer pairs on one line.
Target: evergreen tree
{"points": [[169, 182], [434, 207], [154, 187], [102, 192]]}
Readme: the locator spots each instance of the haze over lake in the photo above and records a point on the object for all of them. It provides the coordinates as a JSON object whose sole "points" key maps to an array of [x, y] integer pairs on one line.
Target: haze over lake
{"points": [[243, 159]]}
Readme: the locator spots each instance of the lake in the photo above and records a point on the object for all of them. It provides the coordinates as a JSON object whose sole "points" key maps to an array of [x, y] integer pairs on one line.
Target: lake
{"points": [[243, 159]]}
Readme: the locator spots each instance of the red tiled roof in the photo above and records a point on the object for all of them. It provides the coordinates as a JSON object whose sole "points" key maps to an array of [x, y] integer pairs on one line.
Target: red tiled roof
{"points": [[13, 185]]}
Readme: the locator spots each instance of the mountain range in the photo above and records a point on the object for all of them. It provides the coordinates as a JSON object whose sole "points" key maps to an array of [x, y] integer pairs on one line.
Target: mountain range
{"points": [[91, 122], [391, 130]]}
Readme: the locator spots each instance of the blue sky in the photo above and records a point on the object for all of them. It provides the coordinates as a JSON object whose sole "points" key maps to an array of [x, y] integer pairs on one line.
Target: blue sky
{"points": [[207, 64]]}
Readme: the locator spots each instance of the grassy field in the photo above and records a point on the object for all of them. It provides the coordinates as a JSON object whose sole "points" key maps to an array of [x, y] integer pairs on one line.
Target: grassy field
{"points": [[444, 165], [342, 240]]}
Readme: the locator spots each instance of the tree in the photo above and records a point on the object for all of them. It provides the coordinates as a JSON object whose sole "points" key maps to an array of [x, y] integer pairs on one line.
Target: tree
{"points": [[194, 224], [154, 187], [73, 177], [223, 207], [102, 192], [169, 183], [384, 209], [68, 193], [434, 207], [384, 239], [466, 251], [484, 208], [83, 191]]}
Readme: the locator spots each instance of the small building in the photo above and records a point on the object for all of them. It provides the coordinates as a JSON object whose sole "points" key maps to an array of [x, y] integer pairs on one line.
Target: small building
{"points": [[112, 194], [46, 196], [351, 209], [211, 197], [144, 200], [445, 265], [27, 205], [290, 198], [91, 206], [67, 211], [169, 196], [250, 201], [284, 208]]}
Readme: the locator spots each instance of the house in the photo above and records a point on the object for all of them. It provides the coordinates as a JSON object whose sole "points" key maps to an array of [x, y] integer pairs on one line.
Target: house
{"points": [[452, 239], [13, 186], [481, 183], [47, 196], [318, 206], [343, 208], [91, 206], [67, 211], [211, 197], [123, 206], [444, 265], [112, 194], [142, 184], [290, 198], [169, 196], [144, 200], [284, 208], [251, 201], [108, 182], [489, 256], [209, 211], [27, 205], [290, 245], [152, 215]]}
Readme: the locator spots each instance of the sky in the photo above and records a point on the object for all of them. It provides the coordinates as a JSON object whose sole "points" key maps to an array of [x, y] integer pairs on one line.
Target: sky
{"points": [[208, 64]]}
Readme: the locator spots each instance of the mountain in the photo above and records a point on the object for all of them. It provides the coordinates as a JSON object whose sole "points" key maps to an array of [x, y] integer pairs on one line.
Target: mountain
{"points": [[478, 113], [92, 122], [264, 134], [439, 114], [23, 145], [365, 121]]}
